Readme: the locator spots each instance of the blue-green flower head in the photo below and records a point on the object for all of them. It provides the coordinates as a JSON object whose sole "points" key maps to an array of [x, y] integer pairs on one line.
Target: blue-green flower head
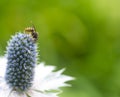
{"points": [[21, 60]]}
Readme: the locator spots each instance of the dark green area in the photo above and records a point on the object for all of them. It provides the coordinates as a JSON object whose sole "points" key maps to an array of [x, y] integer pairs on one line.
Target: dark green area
{"points": [[81, 35]]}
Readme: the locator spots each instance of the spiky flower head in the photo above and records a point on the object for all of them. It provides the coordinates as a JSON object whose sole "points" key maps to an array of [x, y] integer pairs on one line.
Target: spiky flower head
{"points": [[21, 56], [21, 76]]}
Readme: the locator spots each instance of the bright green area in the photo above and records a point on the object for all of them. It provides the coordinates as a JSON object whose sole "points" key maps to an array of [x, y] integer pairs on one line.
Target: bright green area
{"points": [[81, 35]]}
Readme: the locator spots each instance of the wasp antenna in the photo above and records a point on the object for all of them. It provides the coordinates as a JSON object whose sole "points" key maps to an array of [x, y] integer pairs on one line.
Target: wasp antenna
{"points": [[34, 27], [31, 22]]}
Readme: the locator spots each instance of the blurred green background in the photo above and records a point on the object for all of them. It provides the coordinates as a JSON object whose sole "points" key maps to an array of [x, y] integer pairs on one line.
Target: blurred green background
{"points": [[81, 35]]}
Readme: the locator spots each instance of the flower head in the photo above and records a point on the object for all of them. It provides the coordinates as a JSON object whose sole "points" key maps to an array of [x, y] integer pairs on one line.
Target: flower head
{"points": [[21, 60], [20, 76]]}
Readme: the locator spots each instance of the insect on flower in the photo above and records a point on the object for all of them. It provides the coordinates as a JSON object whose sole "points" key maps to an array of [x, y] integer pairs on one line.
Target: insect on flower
{"points": [[32, 32]]}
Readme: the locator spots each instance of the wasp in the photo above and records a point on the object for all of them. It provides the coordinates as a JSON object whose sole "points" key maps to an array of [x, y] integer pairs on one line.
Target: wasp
{"points": [[32, 32]]}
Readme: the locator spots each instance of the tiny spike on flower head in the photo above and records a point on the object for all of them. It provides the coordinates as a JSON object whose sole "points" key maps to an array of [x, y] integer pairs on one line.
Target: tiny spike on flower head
{"points": [[21, 56]]}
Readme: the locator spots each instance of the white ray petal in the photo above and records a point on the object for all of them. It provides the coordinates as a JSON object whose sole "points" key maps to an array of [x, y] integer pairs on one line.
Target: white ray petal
{"points": [[51, 80], [39, 94], [4, 90], [16, 94], [41, 71], [3, 64]]}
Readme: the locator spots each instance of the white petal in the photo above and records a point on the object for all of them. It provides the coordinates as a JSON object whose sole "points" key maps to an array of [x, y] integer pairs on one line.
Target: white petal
{"points": [[42, 71], [15, 94], [51, 80], [3, 64], [4, 90], [39, 94]]}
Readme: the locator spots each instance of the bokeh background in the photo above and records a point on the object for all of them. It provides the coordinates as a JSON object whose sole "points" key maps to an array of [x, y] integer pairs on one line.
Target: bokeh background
{"points": [[81, 35]]}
